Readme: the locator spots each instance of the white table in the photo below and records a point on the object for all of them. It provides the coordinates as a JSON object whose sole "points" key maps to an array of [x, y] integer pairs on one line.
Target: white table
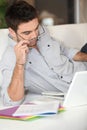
{"points": [[73, 119]]}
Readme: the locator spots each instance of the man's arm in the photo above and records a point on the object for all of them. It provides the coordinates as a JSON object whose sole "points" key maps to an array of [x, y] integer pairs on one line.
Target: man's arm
{"points": [[16, 87], [80, 56]]}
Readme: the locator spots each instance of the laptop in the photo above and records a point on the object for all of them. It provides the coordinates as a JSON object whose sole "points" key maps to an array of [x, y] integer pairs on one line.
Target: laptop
{"points": [[77, 93]]}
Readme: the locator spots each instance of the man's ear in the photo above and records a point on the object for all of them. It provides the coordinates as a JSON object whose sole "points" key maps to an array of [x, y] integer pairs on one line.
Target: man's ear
{"points": [[12, 33]]}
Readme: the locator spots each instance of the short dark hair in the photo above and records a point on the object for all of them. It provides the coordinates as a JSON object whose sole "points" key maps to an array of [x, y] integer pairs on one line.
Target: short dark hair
{"points": [[19, 12]]}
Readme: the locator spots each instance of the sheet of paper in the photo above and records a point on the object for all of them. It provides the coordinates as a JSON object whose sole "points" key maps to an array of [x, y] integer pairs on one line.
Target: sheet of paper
{"points": [[37, 109]]}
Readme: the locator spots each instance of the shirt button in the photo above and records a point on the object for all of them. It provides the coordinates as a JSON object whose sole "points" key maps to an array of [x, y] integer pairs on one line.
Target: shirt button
{"points": [[30, 62], [61, 77], [48, 45]]}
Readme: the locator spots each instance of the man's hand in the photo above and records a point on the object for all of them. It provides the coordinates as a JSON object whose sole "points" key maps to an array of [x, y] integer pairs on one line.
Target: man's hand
{"points": [[80, 56], [21, 51]]}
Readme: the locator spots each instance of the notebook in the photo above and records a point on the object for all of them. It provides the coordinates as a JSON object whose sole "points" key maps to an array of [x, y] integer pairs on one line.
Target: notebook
{"points": [[7, 113], [77, 93]]}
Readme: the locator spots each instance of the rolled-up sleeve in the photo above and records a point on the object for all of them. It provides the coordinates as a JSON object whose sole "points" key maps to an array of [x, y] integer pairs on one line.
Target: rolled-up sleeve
{"points": [[68, 52], [7, 101]]}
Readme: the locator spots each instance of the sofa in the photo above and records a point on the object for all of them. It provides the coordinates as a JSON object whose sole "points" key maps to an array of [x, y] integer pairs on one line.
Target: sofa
{"points": [[71, 35]]}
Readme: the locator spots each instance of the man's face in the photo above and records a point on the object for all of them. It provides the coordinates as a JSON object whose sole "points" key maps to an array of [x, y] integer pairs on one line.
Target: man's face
{"points": [[28, 31]]}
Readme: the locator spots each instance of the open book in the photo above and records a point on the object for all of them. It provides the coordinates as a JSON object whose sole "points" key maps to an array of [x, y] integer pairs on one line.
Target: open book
{"points": [[37, 109], [31, 110]]}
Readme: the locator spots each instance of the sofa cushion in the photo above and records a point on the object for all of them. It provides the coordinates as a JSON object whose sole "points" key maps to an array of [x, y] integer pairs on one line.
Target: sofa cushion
{"points": [[72, 35], [3, 44]]}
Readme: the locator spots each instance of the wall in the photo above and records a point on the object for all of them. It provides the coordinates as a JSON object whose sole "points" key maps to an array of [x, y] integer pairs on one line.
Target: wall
{"points": [[62, 9]]}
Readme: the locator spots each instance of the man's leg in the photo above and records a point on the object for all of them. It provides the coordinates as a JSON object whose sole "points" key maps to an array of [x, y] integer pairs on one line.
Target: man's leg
{"points": [[84, 48]]}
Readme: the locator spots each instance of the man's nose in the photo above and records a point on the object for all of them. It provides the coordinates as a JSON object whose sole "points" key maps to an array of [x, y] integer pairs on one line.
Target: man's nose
{"points": [[34, 34]]}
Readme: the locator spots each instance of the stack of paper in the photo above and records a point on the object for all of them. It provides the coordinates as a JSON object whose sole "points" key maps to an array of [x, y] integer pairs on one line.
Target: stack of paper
{"points": [[30, 111]]}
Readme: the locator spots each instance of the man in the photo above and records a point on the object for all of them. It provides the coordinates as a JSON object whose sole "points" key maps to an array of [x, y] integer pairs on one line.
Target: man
{"points": [[34, 60]]}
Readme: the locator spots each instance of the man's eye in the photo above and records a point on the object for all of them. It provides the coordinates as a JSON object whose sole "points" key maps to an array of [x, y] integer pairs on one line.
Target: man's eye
{"points": [[26, 33]]}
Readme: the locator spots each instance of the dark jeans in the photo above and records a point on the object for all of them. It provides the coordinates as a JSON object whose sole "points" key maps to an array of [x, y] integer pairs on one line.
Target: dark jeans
{"points": [[84, 48]]}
